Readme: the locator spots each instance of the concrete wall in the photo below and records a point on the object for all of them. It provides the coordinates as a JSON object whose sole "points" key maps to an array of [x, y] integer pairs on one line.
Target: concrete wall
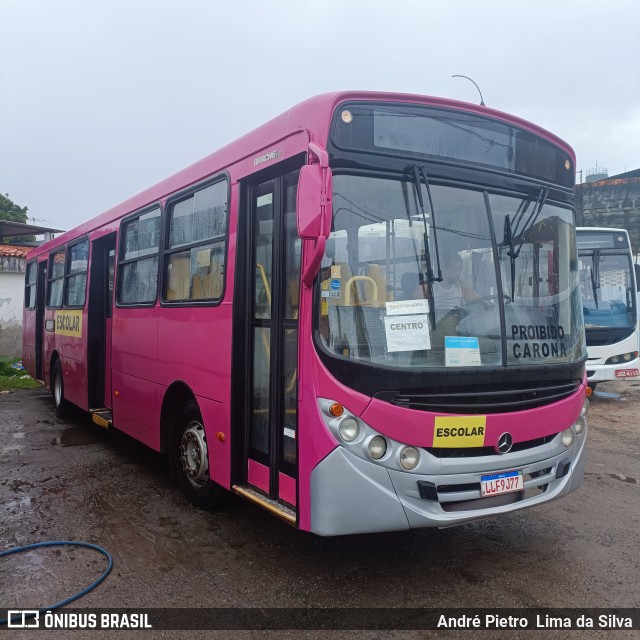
{"points": [[11, 305]]}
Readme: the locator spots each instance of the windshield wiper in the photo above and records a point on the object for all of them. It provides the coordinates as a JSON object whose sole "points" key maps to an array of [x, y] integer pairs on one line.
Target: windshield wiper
{"points": [[419, 176], [595, 274], [510, 232]]}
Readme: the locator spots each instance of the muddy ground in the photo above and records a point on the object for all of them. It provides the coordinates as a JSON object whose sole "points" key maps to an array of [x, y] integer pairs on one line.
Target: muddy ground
{"points": [[70, 480]]}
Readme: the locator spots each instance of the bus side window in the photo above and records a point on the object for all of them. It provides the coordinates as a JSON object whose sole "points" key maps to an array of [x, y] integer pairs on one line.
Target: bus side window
{"points": [[178, 277], [199, 220]]}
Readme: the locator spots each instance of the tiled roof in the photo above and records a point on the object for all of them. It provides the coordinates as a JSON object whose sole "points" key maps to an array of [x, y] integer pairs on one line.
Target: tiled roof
{"points": [[13, 251]]}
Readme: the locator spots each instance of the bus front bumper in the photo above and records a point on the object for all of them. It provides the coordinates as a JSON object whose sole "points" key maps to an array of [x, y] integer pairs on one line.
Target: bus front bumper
{"points": [[608, 372], [352, 495]]}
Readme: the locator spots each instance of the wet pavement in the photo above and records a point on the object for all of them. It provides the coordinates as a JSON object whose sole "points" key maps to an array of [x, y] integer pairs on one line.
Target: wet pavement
{"points": [[71, 480]]}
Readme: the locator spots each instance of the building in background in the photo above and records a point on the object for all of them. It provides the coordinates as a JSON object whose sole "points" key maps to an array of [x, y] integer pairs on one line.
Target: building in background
{"points": [[13, 260], [610, 201]]}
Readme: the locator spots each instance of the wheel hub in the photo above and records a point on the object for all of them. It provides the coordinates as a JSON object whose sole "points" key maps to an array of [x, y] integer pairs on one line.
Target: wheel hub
{"points": [[193, 454], [57, 390]]}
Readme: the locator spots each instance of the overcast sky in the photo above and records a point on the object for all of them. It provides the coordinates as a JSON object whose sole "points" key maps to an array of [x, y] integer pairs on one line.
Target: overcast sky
{"points": [[100, 99]]}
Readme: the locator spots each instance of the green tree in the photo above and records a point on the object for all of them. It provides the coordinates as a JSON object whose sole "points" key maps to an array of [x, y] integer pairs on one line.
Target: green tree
{"points": [[9, 210], [12, 212]]}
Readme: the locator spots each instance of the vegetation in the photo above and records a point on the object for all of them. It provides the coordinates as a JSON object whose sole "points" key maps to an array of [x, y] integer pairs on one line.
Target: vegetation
{"points": [[12, 212], [9, 210], [12, 378]]}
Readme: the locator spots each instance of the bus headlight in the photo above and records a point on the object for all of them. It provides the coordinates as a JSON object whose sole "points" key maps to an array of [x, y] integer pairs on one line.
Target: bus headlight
{"points": [[377, 447], [409, 458], [585, 409], [568, 437], [626, 357], [349, 429], [580, 425]]}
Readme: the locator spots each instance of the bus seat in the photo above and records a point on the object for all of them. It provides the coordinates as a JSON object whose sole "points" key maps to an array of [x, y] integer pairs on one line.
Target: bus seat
{"points": [[178, 277], [201, 286], [377, 275], [206, 284]]}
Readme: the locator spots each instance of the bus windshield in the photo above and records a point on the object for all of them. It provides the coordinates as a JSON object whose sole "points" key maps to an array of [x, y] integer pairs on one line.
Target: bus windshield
{"points": [[413, 288], [607, 289]]}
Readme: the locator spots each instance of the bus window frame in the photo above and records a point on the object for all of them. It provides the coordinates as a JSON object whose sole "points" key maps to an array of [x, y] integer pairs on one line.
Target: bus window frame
{"points": [[68, 275], [50, 258], [167, 251], [28, 285], [119, 261]]}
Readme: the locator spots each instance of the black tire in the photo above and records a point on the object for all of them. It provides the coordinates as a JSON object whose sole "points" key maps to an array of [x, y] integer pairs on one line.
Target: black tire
{"points": [[57, 391], [191, 468]]}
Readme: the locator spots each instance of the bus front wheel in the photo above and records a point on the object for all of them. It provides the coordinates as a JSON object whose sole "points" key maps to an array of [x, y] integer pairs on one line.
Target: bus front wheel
{"points": [[57, 391], [191, 459]]}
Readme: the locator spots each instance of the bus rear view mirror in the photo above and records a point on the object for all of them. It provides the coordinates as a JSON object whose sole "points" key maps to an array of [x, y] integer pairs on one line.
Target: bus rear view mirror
{"points": [[314, 201], [637, 270]]}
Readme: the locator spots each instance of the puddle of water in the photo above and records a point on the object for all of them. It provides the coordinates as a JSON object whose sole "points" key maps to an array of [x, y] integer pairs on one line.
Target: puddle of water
{"points": [[619, 476], [25, 501], [13, 447], [76, 436], [607, 394]]}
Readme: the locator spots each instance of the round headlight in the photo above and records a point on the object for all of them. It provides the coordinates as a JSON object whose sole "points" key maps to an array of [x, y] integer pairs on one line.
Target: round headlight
{"points": [[409, 458], [585, 408], [349, 429], [568, 437], [615, 359], [580, 425], [377, 447], [627, 356]]}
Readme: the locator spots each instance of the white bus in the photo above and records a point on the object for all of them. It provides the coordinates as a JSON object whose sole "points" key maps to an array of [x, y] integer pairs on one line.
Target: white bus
{"points": [[609, 302]]}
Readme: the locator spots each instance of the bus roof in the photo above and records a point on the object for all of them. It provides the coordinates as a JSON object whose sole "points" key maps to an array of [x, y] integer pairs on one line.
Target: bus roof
{"points": [[313, 115], [602, 229]]}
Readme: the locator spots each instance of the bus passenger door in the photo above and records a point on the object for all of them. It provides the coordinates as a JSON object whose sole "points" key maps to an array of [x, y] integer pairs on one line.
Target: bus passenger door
{"points": [[40, 302], [269, 348], [100, 304]]}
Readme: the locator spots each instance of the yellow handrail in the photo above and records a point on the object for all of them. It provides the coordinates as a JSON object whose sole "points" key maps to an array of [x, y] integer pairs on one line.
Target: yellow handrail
{"points": [[265, 282], [351, 280]]}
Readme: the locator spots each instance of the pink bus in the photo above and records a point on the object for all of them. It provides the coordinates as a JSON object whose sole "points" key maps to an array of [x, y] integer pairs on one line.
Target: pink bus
{"points": [[363, 316]]}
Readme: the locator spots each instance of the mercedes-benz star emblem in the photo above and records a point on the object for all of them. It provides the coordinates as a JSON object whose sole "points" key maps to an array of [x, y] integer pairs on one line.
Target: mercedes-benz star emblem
{"points": [[505, 442]]}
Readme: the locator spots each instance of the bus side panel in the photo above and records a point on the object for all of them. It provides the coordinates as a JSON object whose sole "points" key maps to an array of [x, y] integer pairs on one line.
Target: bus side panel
{"points": [[136, 408], [73, 351], [216, 414], [315, 441], [29, 341], [195, 347], [75, 382], [136, 397], [49, 345]]}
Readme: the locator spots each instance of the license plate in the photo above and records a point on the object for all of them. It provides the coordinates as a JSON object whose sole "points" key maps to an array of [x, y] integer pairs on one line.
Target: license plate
{"points": [[497, 483], [627, 373]]}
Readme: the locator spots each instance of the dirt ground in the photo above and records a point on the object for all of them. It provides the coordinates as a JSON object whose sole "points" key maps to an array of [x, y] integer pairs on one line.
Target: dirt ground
{"points": [[73, 481]]}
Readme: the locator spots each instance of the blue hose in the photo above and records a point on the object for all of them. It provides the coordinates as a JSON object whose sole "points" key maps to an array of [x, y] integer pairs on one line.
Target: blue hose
{"points": [[57, 605]]}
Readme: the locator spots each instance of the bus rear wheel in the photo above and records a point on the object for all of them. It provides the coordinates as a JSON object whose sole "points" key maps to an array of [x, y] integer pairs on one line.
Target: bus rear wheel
{"points": [[191, 459], [57, 391]]}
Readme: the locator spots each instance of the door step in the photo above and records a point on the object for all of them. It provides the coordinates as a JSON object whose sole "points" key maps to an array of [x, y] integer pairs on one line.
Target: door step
{"points": [[102, 417], [275, 507]]}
